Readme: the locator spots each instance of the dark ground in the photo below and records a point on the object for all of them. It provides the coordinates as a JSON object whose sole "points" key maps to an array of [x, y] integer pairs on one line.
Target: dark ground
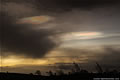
{"points": [[87, 76]]}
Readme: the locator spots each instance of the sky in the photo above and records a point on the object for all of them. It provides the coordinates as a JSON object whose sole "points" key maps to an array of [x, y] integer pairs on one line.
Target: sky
{"points": [[47, 34]]}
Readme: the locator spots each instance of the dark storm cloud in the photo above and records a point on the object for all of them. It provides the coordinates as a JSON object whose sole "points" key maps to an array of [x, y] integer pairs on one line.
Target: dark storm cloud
{"points": [[65, 5], [21, 40]]}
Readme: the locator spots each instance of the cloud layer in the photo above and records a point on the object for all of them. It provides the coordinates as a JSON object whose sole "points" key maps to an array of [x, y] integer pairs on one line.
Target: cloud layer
{"points": [[21, 39]]}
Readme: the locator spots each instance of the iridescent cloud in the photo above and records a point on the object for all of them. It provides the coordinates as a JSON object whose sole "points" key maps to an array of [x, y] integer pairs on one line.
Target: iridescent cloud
{"points": [[80, 35], [35, 20], [85, 35]]}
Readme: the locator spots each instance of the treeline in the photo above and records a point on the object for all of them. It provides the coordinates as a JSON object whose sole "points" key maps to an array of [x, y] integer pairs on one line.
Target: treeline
{"points": [[76, 70]]}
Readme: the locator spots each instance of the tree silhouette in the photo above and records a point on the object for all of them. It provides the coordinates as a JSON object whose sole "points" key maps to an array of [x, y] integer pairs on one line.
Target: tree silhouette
{"points": [[76, 67], [38, 72], [50, 73]]}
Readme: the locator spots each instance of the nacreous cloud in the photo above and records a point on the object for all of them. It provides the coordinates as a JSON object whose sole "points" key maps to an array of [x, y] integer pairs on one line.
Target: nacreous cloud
{"points": [[70, 36], [35, 20], [80, 35]]}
